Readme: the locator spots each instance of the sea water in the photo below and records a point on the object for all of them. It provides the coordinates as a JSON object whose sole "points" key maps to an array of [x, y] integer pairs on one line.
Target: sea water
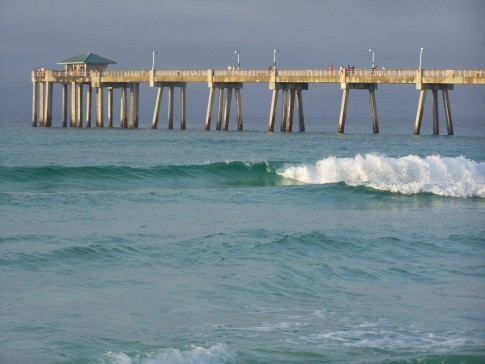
{"points": [[186, 246]]}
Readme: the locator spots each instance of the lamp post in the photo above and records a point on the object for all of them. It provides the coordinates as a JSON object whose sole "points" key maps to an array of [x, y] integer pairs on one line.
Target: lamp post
{"points": [[421, 56], [274, 58], [238, 62], [373, 64], [153, 59]]}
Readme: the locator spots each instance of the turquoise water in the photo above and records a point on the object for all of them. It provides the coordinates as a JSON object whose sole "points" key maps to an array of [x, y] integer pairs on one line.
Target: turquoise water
{"points": [[157, 246]]}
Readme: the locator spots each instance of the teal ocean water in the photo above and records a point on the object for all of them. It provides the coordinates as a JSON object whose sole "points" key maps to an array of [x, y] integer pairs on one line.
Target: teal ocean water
{"points": [[158, 246]]}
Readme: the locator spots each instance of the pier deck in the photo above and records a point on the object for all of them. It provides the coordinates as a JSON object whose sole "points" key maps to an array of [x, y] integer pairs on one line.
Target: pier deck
{"points": [[290, 81]]}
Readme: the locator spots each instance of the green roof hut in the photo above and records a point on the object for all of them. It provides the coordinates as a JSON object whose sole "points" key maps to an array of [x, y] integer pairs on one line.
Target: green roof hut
{"points": [[86, 62]]}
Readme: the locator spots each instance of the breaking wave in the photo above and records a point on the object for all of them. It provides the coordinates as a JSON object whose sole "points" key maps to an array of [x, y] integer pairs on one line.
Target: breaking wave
{"points": [[443, 176], [215, 354]]}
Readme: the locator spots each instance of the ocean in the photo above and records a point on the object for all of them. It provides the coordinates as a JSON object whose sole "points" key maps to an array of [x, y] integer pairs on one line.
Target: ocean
{"points": [[191, 246]]}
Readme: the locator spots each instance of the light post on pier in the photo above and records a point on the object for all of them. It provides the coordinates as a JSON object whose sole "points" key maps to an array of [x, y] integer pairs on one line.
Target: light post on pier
{"points": [[153, 59], [421, 56], [238, 62], [373, 63], [274, 58]]}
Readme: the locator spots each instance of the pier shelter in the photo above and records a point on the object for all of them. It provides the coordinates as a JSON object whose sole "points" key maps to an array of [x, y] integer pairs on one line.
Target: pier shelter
{"points": [[86, 62], [81, 75]]}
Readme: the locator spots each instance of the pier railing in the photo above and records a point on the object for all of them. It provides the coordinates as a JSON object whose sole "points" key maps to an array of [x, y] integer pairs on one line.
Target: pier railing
{"points": [[243, 73], [453, 73], [249, 75], [183, 73]]}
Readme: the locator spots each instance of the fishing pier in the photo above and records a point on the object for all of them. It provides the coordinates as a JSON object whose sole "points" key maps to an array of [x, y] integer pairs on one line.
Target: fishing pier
{"points": [[91, 72]]}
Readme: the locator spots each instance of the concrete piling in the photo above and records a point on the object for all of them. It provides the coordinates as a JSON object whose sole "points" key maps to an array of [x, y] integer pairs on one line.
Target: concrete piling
{"points": [[238, 109], [346, 87], [110, 107], [171, 100], [99, 107], [299, 104], [343, 110], [373, 111], [170, 107], [88, 105], [436, 122], [272, 111], [446, 104], [434, 98], [182, 108], [35, 95], [41, 103], [208, 115], [72, 90], [64, 105], [224, 109], [227, 108], [79, 105]]}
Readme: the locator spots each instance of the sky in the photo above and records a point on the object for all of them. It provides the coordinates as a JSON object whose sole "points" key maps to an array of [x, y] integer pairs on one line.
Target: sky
{"points": [[203, 34]]}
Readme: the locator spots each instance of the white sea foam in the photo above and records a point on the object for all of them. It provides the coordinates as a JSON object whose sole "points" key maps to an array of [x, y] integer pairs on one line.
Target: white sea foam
{"points": [[218, 353], [392, 340], [444, 176]]}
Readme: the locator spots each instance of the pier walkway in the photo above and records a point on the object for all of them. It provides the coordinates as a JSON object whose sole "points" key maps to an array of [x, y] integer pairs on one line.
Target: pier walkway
{"points": [[291, 82]]}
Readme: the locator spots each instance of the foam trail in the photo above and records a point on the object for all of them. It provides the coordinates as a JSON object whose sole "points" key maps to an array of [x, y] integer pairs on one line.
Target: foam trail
{"points": [[444, 176]]}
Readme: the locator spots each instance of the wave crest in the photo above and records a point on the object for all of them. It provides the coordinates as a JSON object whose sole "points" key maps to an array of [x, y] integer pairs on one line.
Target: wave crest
{"points": [[454, 177]]}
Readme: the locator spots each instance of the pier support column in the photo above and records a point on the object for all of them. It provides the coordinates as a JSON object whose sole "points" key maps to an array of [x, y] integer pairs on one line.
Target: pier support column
{"points": [[171, 97], [284, 109], [419, 113], [272, 110], [73, 105], [436, 121], [238, 109], [137, 103], [123, 113], [343, 110], [220, 108], [64, 106], [227, 108], [48, 104], [291, 92], [223, 117], [99, 107], [110, 107], [88, 106], [132, 106], [423, 87], [446, 104], [373, 111], [156, 111], [182, 108], [35, 96], [79, 105], [291, 108], [299, 103], [208, 115], [170, 107], [346, 87], [41, 103]]}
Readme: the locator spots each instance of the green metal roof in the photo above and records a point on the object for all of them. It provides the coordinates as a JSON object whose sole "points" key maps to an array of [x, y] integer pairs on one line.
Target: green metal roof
{"points": [[87, 58]]}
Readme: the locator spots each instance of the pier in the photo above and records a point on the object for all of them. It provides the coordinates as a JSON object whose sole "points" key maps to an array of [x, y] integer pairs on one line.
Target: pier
{"points": [[79, 73]]}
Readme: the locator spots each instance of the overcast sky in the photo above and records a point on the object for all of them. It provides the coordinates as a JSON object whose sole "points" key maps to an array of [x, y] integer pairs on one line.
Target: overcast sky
{"points": [[203, 34]]}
